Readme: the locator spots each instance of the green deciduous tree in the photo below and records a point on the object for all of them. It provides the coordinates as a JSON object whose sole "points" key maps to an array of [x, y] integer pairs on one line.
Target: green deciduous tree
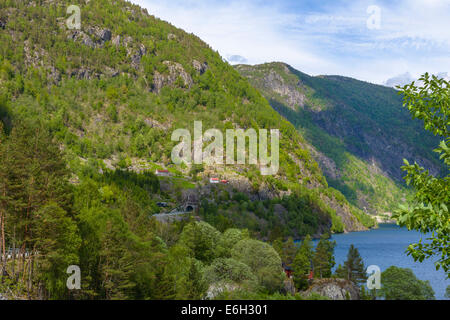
{"points": [[263, 260], [228, 239], [202, 239], [277, 244], [230, 271], [430, 210], [402, 284]]}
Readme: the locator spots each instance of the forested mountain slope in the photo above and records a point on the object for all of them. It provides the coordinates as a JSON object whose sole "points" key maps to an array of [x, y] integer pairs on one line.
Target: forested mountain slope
{"points": [[112, 93], [359, 131]]}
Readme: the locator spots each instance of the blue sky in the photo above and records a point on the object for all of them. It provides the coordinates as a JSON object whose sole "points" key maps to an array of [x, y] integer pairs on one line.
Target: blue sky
{"points": [[321, 37]]}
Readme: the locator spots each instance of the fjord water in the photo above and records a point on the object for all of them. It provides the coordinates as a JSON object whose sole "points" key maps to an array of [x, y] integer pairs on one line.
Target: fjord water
{"points": [[386, 247]]}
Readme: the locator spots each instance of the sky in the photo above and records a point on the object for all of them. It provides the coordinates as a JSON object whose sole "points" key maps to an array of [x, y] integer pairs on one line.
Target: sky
{"points": [[367, 40]]}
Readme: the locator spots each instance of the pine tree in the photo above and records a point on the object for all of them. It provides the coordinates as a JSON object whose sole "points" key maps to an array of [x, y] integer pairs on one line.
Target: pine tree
{"points": [[302, 263], [341, 272], [289, 252], [196, 284], [323, 259], [354, 269], [11, 189], [4, 181], [301, 266], [278, 246], [34, 175], [307, 246], [116, 260], [57, 241]]}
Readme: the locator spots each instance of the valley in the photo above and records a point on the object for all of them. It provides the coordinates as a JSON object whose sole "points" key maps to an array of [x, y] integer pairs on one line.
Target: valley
{"points": [[358, 132]]}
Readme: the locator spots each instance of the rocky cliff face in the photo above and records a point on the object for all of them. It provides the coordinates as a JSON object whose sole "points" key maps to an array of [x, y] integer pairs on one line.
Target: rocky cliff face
{"points": [[274, 81]]}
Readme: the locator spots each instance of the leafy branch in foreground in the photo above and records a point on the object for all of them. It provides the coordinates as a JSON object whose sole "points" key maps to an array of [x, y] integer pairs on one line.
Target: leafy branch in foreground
{"points": [[429, 212]]}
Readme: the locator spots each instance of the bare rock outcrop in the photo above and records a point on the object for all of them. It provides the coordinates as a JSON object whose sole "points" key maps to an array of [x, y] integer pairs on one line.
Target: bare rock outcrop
{"points": [[136, 55], [176, 71], [327, 164], [351, 223], [275, 82], [2, 24], [200, 67], [92, 36], [152, 123], [171, 36], [84, 73], [335, 289], [110, 72], [116, 40]]}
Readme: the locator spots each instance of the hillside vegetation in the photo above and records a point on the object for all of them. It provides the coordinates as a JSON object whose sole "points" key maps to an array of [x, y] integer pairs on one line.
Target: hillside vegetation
{"points": [[86, 118], [115, 90]]}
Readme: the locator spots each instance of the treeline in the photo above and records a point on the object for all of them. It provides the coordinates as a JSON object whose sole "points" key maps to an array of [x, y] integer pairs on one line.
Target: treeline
{"points": [[295, 216], [35, 204]]}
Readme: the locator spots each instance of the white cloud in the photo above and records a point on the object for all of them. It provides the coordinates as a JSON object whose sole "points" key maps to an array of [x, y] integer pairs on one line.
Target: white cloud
{"points": [[237, 59], [406, 78], [399, 80], [414, 35], [240, 28]]}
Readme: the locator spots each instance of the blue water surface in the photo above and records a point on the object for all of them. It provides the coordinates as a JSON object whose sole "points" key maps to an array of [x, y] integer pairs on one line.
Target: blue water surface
{"points": [[386, 247]]}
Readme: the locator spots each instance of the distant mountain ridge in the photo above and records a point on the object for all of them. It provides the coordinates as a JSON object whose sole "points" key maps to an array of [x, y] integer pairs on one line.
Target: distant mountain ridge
{"points": [[359, 132]]}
